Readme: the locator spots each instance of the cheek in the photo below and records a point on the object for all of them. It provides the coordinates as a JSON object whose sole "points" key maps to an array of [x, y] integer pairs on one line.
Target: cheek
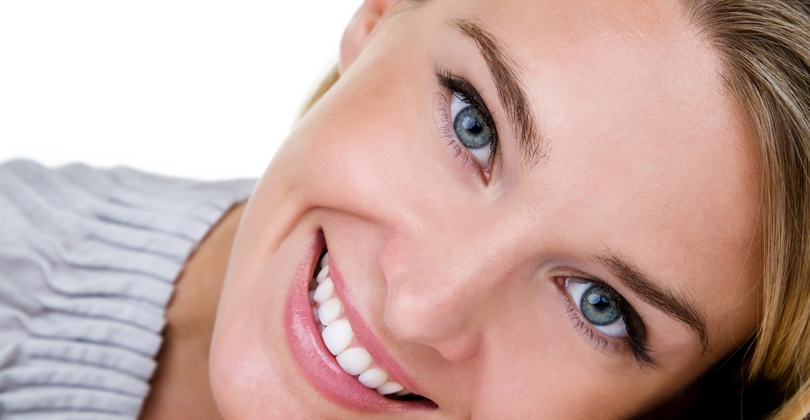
{"points": [[375, 157], [541, 368], [252, 370]]}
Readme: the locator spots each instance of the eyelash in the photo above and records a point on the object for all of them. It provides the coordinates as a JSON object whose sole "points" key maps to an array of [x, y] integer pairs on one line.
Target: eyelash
{"points": [[453, 84], [636, 341]]}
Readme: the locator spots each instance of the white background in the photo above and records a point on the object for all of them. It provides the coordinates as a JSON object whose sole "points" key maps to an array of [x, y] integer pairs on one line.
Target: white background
{"points": [[190, 88]]}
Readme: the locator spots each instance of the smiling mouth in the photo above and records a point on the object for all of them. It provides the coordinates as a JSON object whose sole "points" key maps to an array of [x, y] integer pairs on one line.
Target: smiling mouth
{"points": [[339, 338], [334, 346]]}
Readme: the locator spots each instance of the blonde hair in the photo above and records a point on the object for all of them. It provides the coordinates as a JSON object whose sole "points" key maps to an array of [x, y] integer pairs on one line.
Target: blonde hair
{"points": [[765, 45], [330, 78]]}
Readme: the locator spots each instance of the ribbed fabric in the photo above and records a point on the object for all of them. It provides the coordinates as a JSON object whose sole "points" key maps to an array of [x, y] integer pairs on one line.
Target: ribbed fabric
{"points": [[88, 259]]}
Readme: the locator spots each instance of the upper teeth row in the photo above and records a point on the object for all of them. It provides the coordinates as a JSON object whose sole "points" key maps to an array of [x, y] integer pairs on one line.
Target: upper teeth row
{"points": [[338, 335]]}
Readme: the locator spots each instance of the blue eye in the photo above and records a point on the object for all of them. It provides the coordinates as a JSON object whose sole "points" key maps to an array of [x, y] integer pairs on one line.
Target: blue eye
{"points": [[472, 129], [599, 306]]}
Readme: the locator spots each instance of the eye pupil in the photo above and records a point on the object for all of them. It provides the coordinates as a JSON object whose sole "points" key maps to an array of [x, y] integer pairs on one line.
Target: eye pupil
{"points": [[599, 307], [472, 129], [472, 124]]}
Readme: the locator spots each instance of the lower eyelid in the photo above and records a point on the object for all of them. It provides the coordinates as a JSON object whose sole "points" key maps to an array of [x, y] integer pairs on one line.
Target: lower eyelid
{"points": [[445, 128]]}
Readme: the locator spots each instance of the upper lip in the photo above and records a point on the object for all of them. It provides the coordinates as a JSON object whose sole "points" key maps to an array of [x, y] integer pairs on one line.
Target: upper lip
{"points": [[363, 332], [318, 363]]}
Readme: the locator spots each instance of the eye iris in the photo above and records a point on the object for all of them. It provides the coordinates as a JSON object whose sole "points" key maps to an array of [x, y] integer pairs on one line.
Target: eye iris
{"points": [[599, 307], [472, 129]]}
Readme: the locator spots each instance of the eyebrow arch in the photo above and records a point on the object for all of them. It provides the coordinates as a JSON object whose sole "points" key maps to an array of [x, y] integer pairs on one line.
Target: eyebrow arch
{"points": [[510, 92], [668, 302]]}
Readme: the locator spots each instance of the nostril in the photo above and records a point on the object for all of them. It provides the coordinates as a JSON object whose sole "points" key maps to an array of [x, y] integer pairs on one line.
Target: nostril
{"points": [[453, 345], [458, 348], [439, 323]]}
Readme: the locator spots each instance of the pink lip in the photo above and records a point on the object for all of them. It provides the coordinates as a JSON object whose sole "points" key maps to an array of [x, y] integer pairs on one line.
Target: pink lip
{"points": [[315, 359]]}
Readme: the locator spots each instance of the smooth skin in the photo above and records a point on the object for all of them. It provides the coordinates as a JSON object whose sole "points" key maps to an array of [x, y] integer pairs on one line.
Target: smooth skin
{"points": [[458, 270]]}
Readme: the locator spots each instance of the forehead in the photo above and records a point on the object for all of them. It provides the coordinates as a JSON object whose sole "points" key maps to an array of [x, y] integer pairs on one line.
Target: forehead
{"points": [[646, 149]]}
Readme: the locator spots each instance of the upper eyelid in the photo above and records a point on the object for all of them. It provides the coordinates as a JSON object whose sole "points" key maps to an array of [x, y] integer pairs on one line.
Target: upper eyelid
{"points": [[469, 92], [576, 274], [593, 280]]}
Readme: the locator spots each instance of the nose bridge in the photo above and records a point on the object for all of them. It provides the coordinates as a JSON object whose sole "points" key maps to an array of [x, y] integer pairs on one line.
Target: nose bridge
{"points": [[441, 288]]}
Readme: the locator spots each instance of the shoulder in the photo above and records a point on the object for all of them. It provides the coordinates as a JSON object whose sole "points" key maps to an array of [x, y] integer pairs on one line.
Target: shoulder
{"points": [[88, 262]]}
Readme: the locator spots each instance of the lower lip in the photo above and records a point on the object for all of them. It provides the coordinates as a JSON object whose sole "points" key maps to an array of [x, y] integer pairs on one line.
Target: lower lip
{"points": [[315, 359]]}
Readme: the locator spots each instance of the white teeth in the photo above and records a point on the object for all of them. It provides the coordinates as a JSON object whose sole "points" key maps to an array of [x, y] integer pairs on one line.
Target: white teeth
{"points": [[389, 388], [372, 378], [330, 311], [354, 360], [324, 291], [322, 275], [337, 336]]}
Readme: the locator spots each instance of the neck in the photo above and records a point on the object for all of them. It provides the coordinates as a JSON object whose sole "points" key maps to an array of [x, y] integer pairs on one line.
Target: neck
{"points": [[180, 388]]}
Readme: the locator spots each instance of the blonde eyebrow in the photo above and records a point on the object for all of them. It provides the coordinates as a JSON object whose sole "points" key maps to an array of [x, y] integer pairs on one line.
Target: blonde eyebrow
{"points": [[502, 68], [665, 300]]}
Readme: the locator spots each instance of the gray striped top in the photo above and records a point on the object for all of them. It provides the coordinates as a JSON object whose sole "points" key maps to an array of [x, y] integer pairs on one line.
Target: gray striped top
{"points": [[88, 258]]}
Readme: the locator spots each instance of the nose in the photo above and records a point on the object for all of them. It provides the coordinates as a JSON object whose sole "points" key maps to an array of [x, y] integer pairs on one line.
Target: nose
{"points": [[445, 292]]}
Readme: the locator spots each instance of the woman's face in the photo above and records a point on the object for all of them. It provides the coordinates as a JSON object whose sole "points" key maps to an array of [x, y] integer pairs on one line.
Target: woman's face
{"points": [[532, 209]]}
